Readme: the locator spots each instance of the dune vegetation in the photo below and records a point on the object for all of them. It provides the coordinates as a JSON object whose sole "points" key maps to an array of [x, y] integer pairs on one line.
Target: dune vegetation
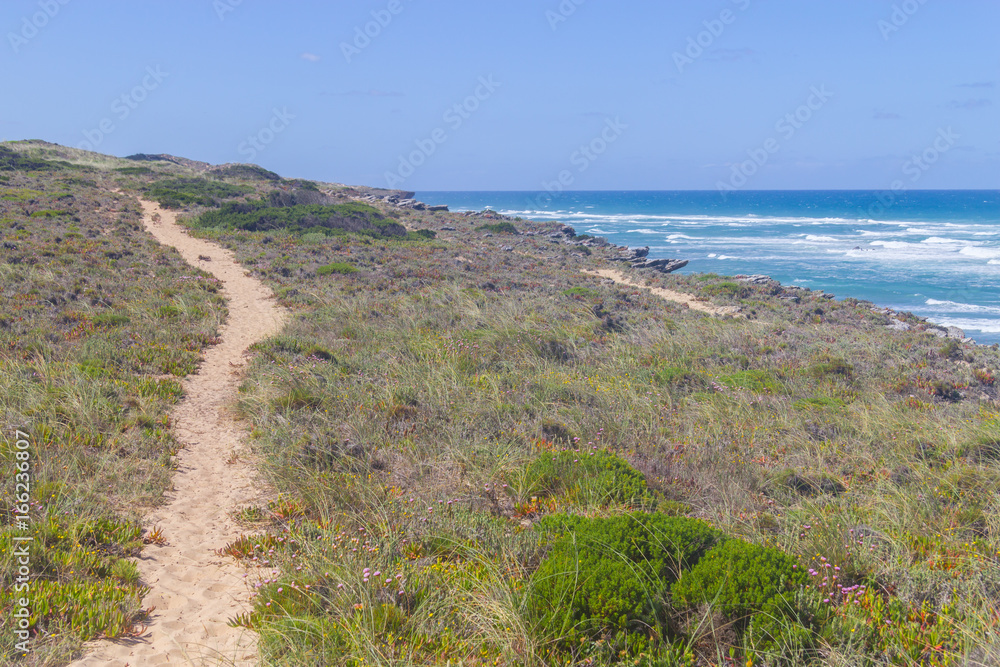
{"points": [[483, 455]]}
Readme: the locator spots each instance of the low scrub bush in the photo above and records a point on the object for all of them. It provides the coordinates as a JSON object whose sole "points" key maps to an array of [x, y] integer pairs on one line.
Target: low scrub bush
{"points": [[759, 381], [611, 575], [727, 289], [739, 579], [498, 228], [178, 192], [831, 368], [342, 268], [583, 292], [334, 220], [598, 477]]}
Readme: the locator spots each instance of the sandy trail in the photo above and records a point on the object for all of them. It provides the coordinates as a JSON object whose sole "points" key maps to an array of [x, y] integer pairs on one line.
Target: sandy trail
{"points": [[194, 590], [669, 295]]}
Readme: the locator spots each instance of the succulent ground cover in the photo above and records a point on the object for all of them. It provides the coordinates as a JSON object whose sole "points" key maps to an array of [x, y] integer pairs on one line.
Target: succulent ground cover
{"points": [[449, 420]]}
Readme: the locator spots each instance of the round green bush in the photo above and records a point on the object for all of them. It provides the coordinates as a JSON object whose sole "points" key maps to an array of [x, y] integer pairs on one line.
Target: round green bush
{"points": [[738, 579], [600, 477], [611, 575]]}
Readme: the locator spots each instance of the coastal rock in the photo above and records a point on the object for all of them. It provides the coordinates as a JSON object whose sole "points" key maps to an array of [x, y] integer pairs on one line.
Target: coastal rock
{"points": [[439, 207], [898, 325], [756, 279], [446, 228], [953, 333], [630, 254], [661, 265], [412, 203]]}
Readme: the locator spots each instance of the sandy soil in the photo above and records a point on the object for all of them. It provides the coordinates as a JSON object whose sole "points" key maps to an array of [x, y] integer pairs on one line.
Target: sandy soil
{"points": [[193, 589], [669, 295]]}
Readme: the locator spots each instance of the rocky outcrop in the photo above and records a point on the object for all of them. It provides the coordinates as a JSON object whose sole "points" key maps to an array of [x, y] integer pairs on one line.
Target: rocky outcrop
{"points": [[631, 254], [756, 279], [661, 265], [638, 258]]}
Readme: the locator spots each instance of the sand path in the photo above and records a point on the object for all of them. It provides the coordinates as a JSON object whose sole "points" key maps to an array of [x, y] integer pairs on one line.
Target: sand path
{"points": [[670, 295], [195, 590]]}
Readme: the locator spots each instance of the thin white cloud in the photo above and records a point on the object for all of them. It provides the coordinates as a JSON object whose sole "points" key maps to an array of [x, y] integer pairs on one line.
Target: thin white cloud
{"points": [[311, 57], [971, 104]]}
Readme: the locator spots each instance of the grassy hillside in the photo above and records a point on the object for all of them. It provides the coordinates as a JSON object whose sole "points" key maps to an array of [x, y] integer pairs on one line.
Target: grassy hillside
{"points": [[486, 456]]}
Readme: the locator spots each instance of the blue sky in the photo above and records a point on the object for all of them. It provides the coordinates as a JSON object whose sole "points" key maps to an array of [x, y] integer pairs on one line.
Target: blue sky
{"points": [[633, 94]]}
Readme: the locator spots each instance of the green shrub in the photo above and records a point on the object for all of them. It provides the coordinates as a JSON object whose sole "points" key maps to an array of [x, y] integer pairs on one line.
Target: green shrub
{"points": [[584, 292], [612, 574], [425, 234], [134, 171], [11, 160], [178, 192], [950, 350], [738, 579], [727, 289], [335, 220], [600, 477], [831, 367], [946, 390], [498, 228], [759, 381], [110, 319], [342, 268]]}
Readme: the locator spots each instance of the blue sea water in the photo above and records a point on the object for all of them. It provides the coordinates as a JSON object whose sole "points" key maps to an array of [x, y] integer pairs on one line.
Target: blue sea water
{"points": [[935, 253]]}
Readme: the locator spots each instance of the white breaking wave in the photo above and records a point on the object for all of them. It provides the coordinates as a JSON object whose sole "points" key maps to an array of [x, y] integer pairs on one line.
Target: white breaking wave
{"points": [[981, 253], [939, 240], [959, 307], [894, 245], [970, 324], [823, 239]]}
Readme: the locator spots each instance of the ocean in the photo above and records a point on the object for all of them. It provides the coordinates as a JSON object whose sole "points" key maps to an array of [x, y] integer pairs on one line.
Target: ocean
{"points": [[935, 253]]}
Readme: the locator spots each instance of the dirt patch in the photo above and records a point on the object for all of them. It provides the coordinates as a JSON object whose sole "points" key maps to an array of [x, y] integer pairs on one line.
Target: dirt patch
{"points": [[682, 298]]}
